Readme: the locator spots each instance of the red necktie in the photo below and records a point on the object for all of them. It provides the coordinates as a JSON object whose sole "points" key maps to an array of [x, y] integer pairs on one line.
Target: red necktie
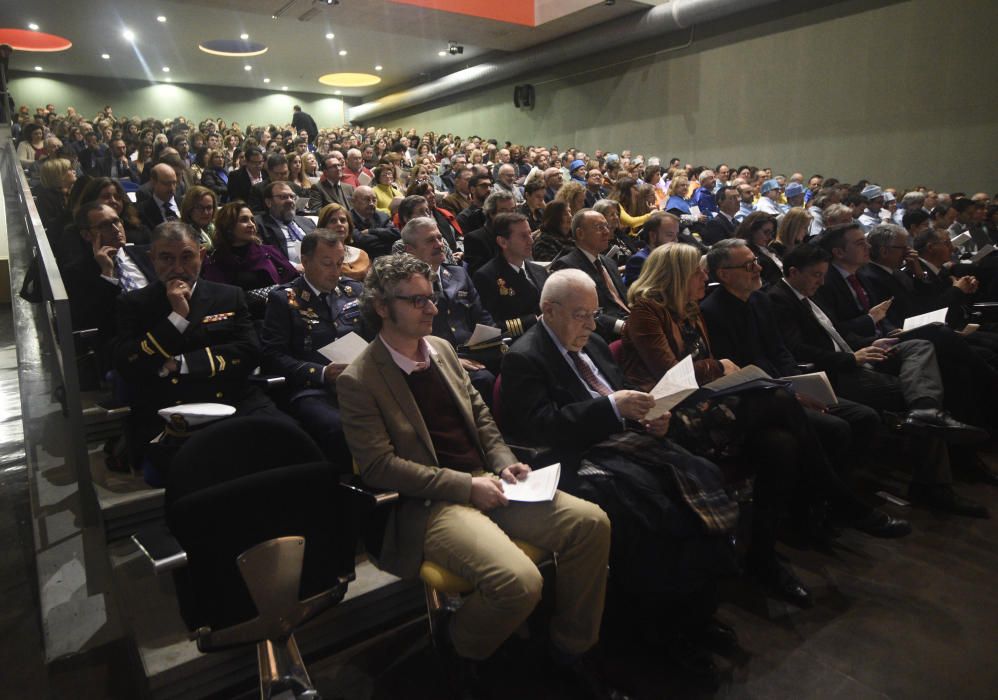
{"points": [[861, 296], [594, 382]]}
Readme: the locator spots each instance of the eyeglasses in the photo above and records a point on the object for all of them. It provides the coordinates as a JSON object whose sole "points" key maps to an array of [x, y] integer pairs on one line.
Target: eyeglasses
{"points": [[205, 208], [583, 316], [748, 266], [419, 301]]}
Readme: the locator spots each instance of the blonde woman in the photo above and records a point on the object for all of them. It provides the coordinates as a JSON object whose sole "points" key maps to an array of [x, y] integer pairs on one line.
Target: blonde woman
{"points": [[791, 232]]}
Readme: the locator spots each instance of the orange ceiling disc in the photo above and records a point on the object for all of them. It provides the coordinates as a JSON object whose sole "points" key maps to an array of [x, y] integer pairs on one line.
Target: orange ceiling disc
{"points": [[25, 40]]}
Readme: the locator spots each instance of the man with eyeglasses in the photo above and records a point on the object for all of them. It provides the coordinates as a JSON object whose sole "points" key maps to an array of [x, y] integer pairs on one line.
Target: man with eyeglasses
{"points": [[459, 198], [415, 424], [329, 189], [592, 237], [459, 307], [473, 216], [241, 181], [279, 226], [373, 231], [276, 170], [562, 391]]}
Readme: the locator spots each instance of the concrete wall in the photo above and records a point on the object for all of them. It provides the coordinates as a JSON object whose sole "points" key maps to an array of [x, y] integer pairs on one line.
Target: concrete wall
{"points": [[134, 98], [897, 92]]}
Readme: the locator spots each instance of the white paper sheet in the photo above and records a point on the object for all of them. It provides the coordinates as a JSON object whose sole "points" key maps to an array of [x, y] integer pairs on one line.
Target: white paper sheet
{"points": [[678, 383], [816, 386], [539, 485], [483, 334], [345, 350], [742, 376], [913, 322], [961, 239], [984, 252], [695, 210]]}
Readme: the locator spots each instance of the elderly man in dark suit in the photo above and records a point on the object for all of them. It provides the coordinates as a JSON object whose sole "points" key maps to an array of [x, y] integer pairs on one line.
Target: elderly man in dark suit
{"points": [[162, 205], [184, 340], [373, 231], [510, 284], [449, 464], [329, 189], [303, 317], [279, 226], [562, 390], [592, 236]]}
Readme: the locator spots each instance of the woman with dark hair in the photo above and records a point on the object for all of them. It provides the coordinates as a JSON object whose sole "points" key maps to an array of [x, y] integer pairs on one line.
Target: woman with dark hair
{"points": [[555, 234], [32, 145], [109, 191], [385, 188], [198, 210], [653, 177], [757, 229], [296, 175], [634, 209], [214, 176], [240, 258], [356, 262], [143, 157]]}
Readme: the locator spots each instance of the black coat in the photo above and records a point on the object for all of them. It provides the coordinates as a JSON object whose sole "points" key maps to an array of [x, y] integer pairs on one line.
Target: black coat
{"points": [[852, 322], [513, 302], [479, 247], [718, 229], [374, 237], [746, 332], [240, 185], [270, 231]]}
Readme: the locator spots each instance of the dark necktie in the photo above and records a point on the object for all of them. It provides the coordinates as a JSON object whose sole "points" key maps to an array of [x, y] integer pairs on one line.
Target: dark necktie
{"points": [[168, 213], [522, 274], [861, 296], [594, 382], [326, 298]]}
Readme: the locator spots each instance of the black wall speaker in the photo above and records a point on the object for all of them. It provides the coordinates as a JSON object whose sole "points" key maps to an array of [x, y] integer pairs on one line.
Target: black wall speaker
{"points": [[523, 96]]}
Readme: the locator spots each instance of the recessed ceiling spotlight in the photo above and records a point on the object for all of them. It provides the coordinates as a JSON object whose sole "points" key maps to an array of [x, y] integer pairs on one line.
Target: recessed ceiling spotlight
{"points": [[160, 18], [166, 69], [266, 80], [38, 67], [379, 68], [284, 87], [337, 92], [169, 80], [330, 35], [106, 56], [128, 35], [247, 67], [343, 52], [244, 36], [33, 27], [441, 53]]}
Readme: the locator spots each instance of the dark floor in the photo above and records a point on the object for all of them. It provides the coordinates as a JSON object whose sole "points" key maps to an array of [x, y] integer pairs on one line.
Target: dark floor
{"points": [[905, 619]]}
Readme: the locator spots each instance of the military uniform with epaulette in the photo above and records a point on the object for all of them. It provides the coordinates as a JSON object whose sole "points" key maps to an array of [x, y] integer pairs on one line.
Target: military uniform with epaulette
{"points": [[512, 297], [298, 322]]}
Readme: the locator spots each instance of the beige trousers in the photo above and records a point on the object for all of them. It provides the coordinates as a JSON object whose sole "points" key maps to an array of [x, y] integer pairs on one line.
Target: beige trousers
{"points": [[477, 547]]}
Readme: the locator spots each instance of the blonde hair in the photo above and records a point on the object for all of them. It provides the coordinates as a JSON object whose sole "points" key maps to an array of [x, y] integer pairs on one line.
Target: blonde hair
{"points": [[673, 186], [664, 278], [52, 171], [793, 222], [569, 192]]}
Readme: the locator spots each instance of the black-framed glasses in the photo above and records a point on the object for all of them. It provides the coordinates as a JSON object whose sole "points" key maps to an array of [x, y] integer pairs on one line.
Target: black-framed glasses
{"points": [[419, 301], [748, 265]]}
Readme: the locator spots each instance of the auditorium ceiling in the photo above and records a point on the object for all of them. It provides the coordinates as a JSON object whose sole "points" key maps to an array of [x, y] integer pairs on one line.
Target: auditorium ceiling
{"points": [[399, 42]]}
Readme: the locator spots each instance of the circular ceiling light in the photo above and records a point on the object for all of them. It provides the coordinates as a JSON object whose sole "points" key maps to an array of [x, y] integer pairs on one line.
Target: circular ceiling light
{"points": [[233, 47], [27, 40], [161, 18], [379, 67], [349, 79], [343, 52], [33, 27], [244, 36], [330, 35], [106, 56]]}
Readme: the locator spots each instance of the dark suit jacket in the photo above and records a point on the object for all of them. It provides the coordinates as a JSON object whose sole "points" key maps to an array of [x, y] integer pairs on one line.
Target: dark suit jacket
{"points": [[459, 308], [634, 265], [882, 285], [746, 332], [150, 213], [513, 302], [297, 324], [220, 348], [213, 181], [129, 172], [479, 247], [605, 323], [545, 403], [302, 121], [324, 193], [471, 217], [804, 335], [239, 186], [717, 229], [853, 324], [270, 231], [376, 236]]}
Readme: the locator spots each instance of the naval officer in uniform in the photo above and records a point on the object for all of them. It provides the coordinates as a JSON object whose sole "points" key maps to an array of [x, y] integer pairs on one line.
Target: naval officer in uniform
{"points": [[302, 317]]}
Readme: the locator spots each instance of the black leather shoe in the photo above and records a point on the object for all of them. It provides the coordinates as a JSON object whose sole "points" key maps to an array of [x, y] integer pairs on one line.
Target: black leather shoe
{"points": [[939, 422], [580, 680], [717, 637], [877, 523], [781, 582], [943, 498]]}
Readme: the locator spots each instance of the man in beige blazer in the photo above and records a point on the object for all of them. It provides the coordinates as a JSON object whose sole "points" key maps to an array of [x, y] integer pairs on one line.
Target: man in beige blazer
{"points": [[415, 424]]}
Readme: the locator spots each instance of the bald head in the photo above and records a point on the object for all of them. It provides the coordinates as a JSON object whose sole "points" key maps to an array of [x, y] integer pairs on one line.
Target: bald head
{"points": [[569, 303], [164, 181], [364, 201]]}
